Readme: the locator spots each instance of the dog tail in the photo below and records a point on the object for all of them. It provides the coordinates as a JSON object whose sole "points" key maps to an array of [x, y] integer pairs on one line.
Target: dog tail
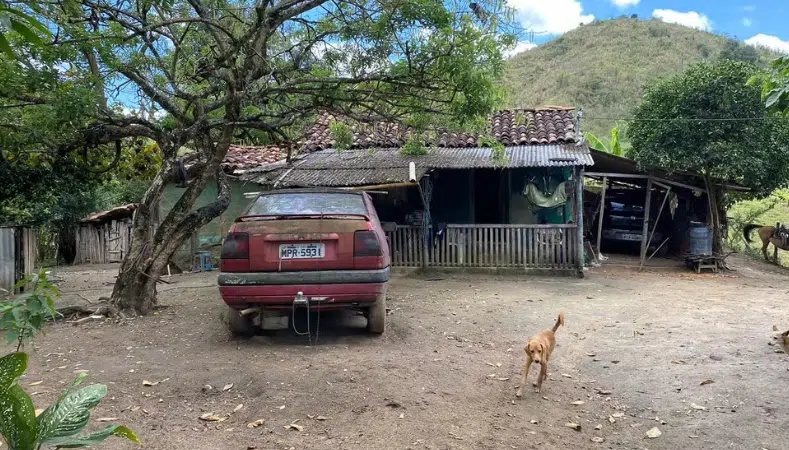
{"points": [[746, 232], [559, 322]]}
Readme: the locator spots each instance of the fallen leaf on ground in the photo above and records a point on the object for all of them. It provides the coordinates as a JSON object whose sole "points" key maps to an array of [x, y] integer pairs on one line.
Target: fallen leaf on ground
{"points": [[611, 419], [678, 361], [598, 427], [106, 419], [294, 426], [228, 387], [577, 402], [210, 417], [238, 408], [282, 407], [455, 436], [149, 383], [654, 433], [256, 423], [591, 354], [603, 391], [567, 375], [706, 382], [597, 440], [490, 364], [534, 422], [503, 378], [36, 383], [618, 415], [697, 407], [573, 425], [393, 404], [402, 415], [321, 418]]}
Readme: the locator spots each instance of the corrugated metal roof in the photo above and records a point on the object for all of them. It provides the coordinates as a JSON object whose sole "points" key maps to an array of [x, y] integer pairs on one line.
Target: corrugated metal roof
{"points": [[361, 167], [7, 260]]}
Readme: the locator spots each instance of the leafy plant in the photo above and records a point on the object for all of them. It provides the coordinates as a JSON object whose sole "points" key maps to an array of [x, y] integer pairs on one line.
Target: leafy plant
{"points": [[413, 147], [25, 314], [775, 86], [342, 135], [59, 425], [615, 147], [13, 18]]}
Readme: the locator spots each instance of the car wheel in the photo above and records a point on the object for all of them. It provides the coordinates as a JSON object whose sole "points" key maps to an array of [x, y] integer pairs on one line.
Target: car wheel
{"points": [[376, 314], [239, 326]]}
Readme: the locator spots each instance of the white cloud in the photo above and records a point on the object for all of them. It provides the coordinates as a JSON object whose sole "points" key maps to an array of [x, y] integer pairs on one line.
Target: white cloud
{"points": [[746, 22], [551, 17], [625, 3], [519, 47], [690, 19], [749, 8], [768, 41]]}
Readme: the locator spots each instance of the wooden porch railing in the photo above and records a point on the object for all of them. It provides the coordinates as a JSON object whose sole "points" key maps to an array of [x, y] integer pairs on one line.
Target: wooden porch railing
{"points": [[527, 246]]}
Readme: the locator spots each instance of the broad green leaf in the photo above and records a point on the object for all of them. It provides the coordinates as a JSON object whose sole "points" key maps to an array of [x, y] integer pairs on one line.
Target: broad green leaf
{"points": [[774, 97], [33, 22], [26, 32], [66, 418], [596, 143], [99, 436], [5, 46], [17, 419], [12, 367]]}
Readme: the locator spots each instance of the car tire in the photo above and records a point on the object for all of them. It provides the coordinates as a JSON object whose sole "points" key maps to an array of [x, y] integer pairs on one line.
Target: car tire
{"points": [[238, 325], [376, 314]]}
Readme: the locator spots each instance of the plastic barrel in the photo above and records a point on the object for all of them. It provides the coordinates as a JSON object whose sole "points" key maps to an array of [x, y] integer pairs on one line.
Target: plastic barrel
{"points": [[700, 241]]}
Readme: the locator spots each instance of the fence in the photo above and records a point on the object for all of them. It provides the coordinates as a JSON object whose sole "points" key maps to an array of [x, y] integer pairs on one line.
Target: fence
{"points": [[514, 246], [18, 255]]}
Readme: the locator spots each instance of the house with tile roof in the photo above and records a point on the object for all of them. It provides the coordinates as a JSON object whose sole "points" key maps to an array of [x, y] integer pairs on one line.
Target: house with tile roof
{"points": [[465, 202]]}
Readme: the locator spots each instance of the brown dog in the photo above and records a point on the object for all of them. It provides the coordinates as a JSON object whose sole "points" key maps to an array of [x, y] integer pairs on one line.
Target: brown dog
{"points": [[539, 350]]}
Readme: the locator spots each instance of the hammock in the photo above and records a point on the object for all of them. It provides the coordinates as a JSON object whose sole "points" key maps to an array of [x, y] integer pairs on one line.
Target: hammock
{"points": [[535, 196]]}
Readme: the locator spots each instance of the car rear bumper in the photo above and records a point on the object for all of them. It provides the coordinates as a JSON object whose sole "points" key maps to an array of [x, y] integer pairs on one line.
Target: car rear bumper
{"points": [[325, 289]]}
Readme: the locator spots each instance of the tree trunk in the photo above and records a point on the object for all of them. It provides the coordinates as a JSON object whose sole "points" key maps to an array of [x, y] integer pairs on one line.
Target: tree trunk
{"points": [[152, 246]]}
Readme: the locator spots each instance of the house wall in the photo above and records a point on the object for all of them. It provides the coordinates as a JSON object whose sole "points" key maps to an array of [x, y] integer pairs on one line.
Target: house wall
{"points": [[547, 179], [209, 237]]}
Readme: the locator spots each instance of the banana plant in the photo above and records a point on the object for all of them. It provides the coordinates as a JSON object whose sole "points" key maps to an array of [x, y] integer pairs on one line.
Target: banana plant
{"points": [[615, 148], [58, 426]]}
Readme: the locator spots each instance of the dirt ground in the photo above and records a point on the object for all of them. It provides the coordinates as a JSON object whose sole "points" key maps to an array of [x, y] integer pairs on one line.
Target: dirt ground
{"points": [[635, 350]]}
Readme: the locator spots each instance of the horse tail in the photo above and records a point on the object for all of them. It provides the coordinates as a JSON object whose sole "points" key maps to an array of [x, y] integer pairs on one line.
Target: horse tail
{"points": [[747, 231]]}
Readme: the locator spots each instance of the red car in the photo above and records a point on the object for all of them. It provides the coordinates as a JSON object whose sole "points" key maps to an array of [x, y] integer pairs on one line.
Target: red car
{"points": [[314, 249]]}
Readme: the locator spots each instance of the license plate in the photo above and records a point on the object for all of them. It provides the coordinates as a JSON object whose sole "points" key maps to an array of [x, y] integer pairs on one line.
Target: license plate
{"points": [[302, 251], [631, 237]]}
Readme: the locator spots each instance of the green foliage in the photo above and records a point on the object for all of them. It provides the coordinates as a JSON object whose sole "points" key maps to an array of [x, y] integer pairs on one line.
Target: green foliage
{"points": [[604, 67], [342, 135], [737, 51], [775, 86], [413, 146], [14, 18], [702, 131], [24, 315], [59, 425], [765, 211], [615, 149]]}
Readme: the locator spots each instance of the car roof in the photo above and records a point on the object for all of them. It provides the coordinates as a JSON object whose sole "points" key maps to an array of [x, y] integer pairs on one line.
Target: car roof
{"points": [[315, 190]]}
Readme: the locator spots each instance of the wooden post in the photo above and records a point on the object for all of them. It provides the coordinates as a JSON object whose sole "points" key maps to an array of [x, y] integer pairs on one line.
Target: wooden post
{"points": [[652, 234], [579, 213], [602, 215], [645, 228]]}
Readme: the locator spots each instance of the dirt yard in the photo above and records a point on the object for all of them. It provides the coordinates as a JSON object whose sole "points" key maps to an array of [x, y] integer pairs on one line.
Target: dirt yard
{"points": [[633, 355]]}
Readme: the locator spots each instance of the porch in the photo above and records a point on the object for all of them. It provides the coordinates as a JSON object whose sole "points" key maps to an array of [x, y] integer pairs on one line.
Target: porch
{"points": [[509, 246]]}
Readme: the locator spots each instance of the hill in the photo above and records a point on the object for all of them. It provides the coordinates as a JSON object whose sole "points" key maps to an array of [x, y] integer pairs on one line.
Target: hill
{"points": [[604, 66]]}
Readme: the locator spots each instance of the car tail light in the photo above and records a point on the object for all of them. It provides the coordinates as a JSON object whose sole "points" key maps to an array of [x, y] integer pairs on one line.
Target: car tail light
{"points": [[236, 246], [365, 243]]}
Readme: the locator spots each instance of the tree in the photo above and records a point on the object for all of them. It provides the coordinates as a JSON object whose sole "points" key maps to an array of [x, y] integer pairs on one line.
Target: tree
{"points": [[707, 120], [736, 51], [775, 86], [215, 68]]}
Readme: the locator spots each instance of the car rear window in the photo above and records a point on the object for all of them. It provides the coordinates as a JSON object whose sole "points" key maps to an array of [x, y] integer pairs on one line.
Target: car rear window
{"points": [[309, 203]]}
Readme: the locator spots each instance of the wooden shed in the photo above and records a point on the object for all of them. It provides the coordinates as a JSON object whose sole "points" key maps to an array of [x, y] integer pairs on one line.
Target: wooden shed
{"points": [[105, 237]]}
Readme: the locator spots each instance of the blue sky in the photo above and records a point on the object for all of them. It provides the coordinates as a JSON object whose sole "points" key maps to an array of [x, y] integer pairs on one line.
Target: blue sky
{"points": [[757, 22]]}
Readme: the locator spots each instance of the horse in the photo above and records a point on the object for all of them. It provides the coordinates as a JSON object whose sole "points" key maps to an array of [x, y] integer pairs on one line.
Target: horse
{"points": [[778, 236]]}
